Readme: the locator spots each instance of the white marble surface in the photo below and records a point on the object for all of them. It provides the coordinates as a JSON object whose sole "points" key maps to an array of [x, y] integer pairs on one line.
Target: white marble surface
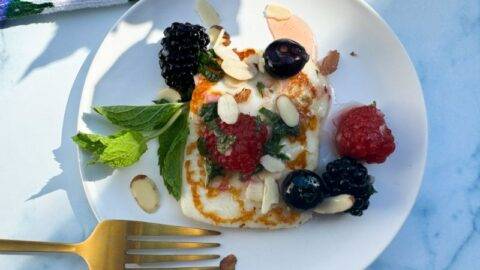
{"points": [[43, 64]]}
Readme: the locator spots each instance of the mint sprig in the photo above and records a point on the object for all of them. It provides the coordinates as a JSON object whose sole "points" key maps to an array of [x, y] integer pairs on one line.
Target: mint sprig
{"points": [[167, 121], [117, 151], [140, 118]]}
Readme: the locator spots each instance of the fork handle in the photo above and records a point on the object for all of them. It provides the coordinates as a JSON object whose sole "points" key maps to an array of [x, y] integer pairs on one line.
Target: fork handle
{"points": [[31, 246]]}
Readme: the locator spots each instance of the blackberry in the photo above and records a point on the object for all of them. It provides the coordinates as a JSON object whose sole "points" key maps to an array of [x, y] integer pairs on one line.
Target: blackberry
{"points": [[178, 57], [347, 176]]}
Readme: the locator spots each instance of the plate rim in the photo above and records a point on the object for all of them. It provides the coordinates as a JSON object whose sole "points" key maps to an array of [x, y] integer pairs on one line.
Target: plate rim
{"points": [[424, 120]]}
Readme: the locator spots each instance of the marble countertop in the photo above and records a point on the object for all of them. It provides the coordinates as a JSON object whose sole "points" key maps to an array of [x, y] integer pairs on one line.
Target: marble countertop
{"points": [[43, 63]]}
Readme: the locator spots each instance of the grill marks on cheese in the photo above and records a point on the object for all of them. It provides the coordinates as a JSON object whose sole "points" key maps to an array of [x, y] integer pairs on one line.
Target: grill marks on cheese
{"points": [[272, 218]]}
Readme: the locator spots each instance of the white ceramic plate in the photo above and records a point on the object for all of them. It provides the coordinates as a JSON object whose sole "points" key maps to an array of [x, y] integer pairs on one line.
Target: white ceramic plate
{"points": [[125, 71]]}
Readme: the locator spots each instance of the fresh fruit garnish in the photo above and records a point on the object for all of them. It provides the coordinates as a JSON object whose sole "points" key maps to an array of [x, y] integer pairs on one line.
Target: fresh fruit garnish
{"points": [[302, 189], [236, 147], [181, 46], [347, 176], [285, 58], [363, 134]]}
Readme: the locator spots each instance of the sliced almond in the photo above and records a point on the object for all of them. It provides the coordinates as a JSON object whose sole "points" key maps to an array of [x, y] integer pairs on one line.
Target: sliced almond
{"points": [[287, 110], [228, 263], [329, 63], [335, 204], [213, 34], [227, 109], [169, 94], [218, 41], [207, 12], [277, 12], [225, 53], [254, 191], [218, 35], [238, 69], [145, 192], [270, 194], [272, 164]]}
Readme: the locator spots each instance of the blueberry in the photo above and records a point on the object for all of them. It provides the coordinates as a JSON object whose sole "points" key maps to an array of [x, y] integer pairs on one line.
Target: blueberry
{"points": [[285, 58], [302, 189]]}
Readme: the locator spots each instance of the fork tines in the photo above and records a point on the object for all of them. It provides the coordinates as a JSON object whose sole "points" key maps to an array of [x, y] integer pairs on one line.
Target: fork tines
{"points": [[136, 245], [136, 228]]}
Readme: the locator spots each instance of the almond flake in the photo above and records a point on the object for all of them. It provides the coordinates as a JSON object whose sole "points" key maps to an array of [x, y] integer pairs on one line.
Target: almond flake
{"points": [[329, 64], [277, 12], [272, 164], [169, 94], [238, 69], [225, 52], [145, 192], [213, 34], [227, 109], [336, 204], [217, 36], [270, 194], [207, 12], [228, 263], [287, 110], [254, 191]]}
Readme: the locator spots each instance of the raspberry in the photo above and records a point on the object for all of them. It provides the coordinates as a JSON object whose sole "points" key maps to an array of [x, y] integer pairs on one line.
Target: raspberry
{"points": [[363, 134], [181, 44], [245, 152]]}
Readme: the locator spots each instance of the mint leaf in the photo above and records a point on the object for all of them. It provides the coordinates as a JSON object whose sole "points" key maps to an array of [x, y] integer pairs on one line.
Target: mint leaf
{"points": [[280, 130], [208, 112], [202, 146], [166, 139], [172, 166], [123, 149], [209, 115], [260, 88], [170, 154], [140, 118], [273, 147], [89, 142], [213, 170], [117, 151], [209, 67], [224, 141]]}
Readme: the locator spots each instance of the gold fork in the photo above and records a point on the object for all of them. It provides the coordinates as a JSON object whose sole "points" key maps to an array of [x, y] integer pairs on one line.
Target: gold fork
{"points": [[106, 248]]}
